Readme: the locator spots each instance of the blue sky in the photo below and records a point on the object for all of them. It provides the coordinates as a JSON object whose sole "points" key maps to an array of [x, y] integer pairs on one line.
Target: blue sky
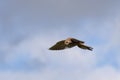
{"points": [[29, 27]]}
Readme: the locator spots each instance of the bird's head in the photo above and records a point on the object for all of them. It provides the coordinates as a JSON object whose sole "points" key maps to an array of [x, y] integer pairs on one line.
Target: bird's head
{"points": [[68, 41]]}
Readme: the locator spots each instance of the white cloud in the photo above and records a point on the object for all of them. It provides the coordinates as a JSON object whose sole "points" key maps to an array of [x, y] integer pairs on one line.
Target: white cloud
{"points": [[104, 73], [38, 46]]}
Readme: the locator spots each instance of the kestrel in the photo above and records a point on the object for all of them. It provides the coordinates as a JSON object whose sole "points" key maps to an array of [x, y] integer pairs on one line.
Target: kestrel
{"points": [[69, 43]]}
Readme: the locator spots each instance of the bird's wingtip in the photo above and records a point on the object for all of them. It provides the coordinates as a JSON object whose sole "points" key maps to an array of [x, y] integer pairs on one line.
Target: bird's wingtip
{"points": [[90, 48], [49, 48]]}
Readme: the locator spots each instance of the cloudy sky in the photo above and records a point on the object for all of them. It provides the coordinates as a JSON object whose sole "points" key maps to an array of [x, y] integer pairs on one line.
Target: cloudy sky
{"points": [[29, 27]]}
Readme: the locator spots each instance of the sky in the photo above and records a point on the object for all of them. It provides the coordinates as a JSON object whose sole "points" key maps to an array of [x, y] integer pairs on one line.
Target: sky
{"points": [[29, 27]]}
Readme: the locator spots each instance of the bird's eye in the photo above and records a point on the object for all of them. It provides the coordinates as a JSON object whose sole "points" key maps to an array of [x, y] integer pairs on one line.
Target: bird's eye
{"points": [[67, 42]]}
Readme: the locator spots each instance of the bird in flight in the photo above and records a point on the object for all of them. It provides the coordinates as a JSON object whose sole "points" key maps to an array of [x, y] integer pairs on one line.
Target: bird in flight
{"points": [[69, 43]]}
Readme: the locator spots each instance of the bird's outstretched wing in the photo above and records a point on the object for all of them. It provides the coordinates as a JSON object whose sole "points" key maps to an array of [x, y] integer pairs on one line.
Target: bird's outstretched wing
{"points": [[76, 41], [58, 46], [84, 47]]}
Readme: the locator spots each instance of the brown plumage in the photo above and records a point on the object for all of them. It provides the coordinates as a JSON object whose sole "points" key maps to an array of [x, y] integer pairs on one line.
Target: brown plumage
{"points": [[69, 43]]}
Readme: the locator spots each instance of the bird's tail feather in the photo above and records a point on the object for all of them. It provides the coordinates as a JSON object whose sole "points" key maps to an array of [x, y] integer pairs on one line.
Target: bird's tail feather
{"points": [[85, 47]]}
